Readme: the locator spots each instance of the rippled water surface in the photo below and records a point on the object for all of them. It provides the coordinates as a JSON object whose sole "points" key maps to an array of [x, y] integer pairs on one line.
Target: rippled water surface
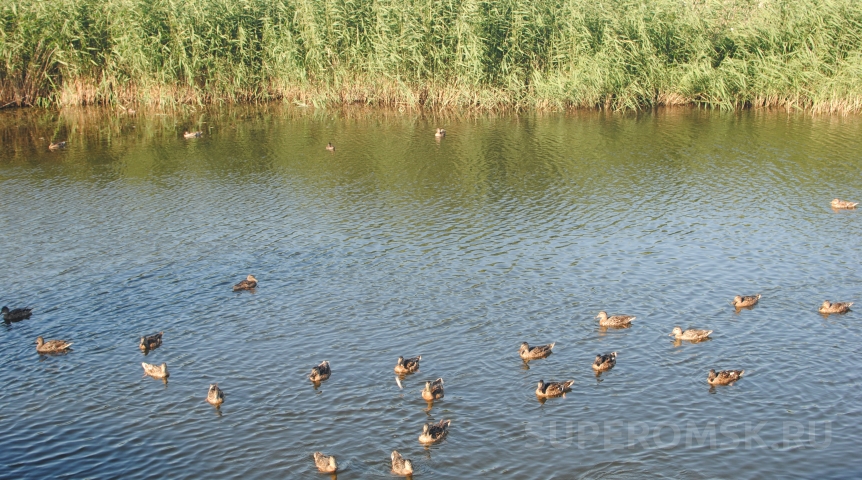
{"points": [[510, 229]]}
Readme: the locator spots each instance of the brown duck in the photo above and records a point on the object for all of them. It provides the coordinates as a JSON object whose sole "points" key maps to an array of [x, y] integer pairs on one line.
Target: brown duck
{"points": [[433, 390], [325, 463], [407, 365], [215, 396], [843, 204], [156, 371], [835, 307], [51, 346], [742, 301], [605, 362], [692, 335], [434, 432], [553, 389], [247, 284], [401, 465], [614, 321], [320, 372], [724, 377], [539, 351], [150, 342]]}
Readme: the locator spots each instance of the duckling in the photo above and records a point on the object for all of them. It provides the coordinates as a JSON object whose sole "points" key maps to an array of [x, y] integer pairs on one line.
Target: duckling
{"points": [[724, 377], [325, 463], [440, 133], [51, 346], [691, 335], [330, 147], [553, 389], [192, 134], [16, 314], [247, 284], [614, 321], [843, 204], [432, 432], [57, 146], [215, 396], [407, 365], [605, 362], [401, 465], [539, 351], [742, 301], [433, 390], [835, 307], [150, 342], [320, 372], [156, 371]]}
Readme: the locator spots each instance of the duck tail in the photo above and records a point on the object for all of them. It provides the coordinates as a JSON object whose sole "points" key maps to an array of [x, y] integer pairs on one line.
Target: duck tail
{"points": [[551, 346], [741, 372]]}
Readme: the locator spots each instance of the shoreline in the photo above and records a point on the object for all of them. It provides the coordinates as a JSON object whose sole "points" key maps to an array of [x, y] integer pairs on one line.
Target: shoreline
{"points": [[471, 55]]}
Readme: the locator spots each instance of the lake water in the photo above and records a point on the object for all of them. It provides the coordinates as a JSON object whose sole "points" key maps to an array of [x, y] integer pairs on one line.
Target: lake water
{"points": [[510, 229]]}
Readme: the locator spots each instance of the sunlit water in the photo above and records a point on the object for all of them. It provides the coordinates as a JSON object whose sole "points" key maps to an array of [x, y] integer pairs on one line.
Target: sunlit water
{"points": [[510, 229]]}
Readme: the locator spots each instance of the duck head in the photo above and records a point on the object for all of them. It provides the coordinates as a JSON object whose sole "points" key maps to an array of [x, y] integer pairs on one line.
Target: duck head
{"points": [[676, 332], [602, 315], [826, 304], [39, 341], [711, 374], [251, 278], [524, 347], [5, 310]]}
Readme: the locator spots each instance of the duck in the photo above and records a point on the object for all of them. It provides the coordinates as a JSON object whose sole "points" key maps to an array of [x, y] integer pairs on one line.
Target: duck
{"points": [[724, 377], [57, 146], [835, 307], [330, 147], [407, 365], [742, 301], [401, 465], [192, 134], [325, 463], [156, 371], [614, 321], [553, 389], [150, 342], [539, 351], [215, 396], [320, 372], [247, 284], [440, 133], [691, 335], [605, 362], [433, 390], [16, 314], [51, 346], [843, 204], [434, 432]]}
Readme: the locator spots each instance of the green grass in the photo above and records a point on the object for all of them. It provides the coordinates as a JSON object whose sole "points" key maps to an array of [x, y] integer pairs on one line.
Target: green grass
{"points": [[434, 54]]}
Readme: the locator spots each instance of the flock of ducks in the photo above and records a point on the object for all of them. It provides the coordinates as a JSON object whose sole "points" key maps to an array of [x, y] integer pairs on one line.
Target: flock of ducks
{"points": [[434, 432]]}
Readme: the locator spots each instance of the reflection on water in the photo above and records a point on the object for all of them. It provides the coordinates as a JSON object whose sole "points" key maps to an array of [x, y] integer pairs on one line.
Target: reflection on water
{"points": [[508, 229]]}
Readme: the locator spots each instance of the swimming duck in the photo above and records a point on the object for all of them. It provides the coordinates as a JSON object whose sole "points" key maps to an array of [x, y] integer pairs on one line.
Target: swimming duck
{"points": [[401, 465], [325, 463], [432, 432], [16, 314], [156, 371], [51, 346], [433, 390], [724, 377], [215, 396], [741, 301], [605, 362], [247, 284], [553, 389], [407, 365], [56, 146], [320, 372], [192, 134], [330, 147], [843, 204], [615, 321], [539, 351], [835, 307], [440, 133], [150, 342], [691, 335]]}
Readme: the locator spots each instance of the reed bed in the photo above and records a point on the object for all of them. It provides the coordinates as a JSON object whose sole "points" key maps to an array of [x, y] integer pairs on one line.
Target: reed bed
{"points": [[434, 54]]}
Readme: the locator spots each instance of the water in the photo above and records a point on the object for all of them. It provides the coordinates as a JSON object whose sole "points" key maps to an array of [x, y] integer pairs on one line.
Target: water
{"points": [[510, 229]]}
